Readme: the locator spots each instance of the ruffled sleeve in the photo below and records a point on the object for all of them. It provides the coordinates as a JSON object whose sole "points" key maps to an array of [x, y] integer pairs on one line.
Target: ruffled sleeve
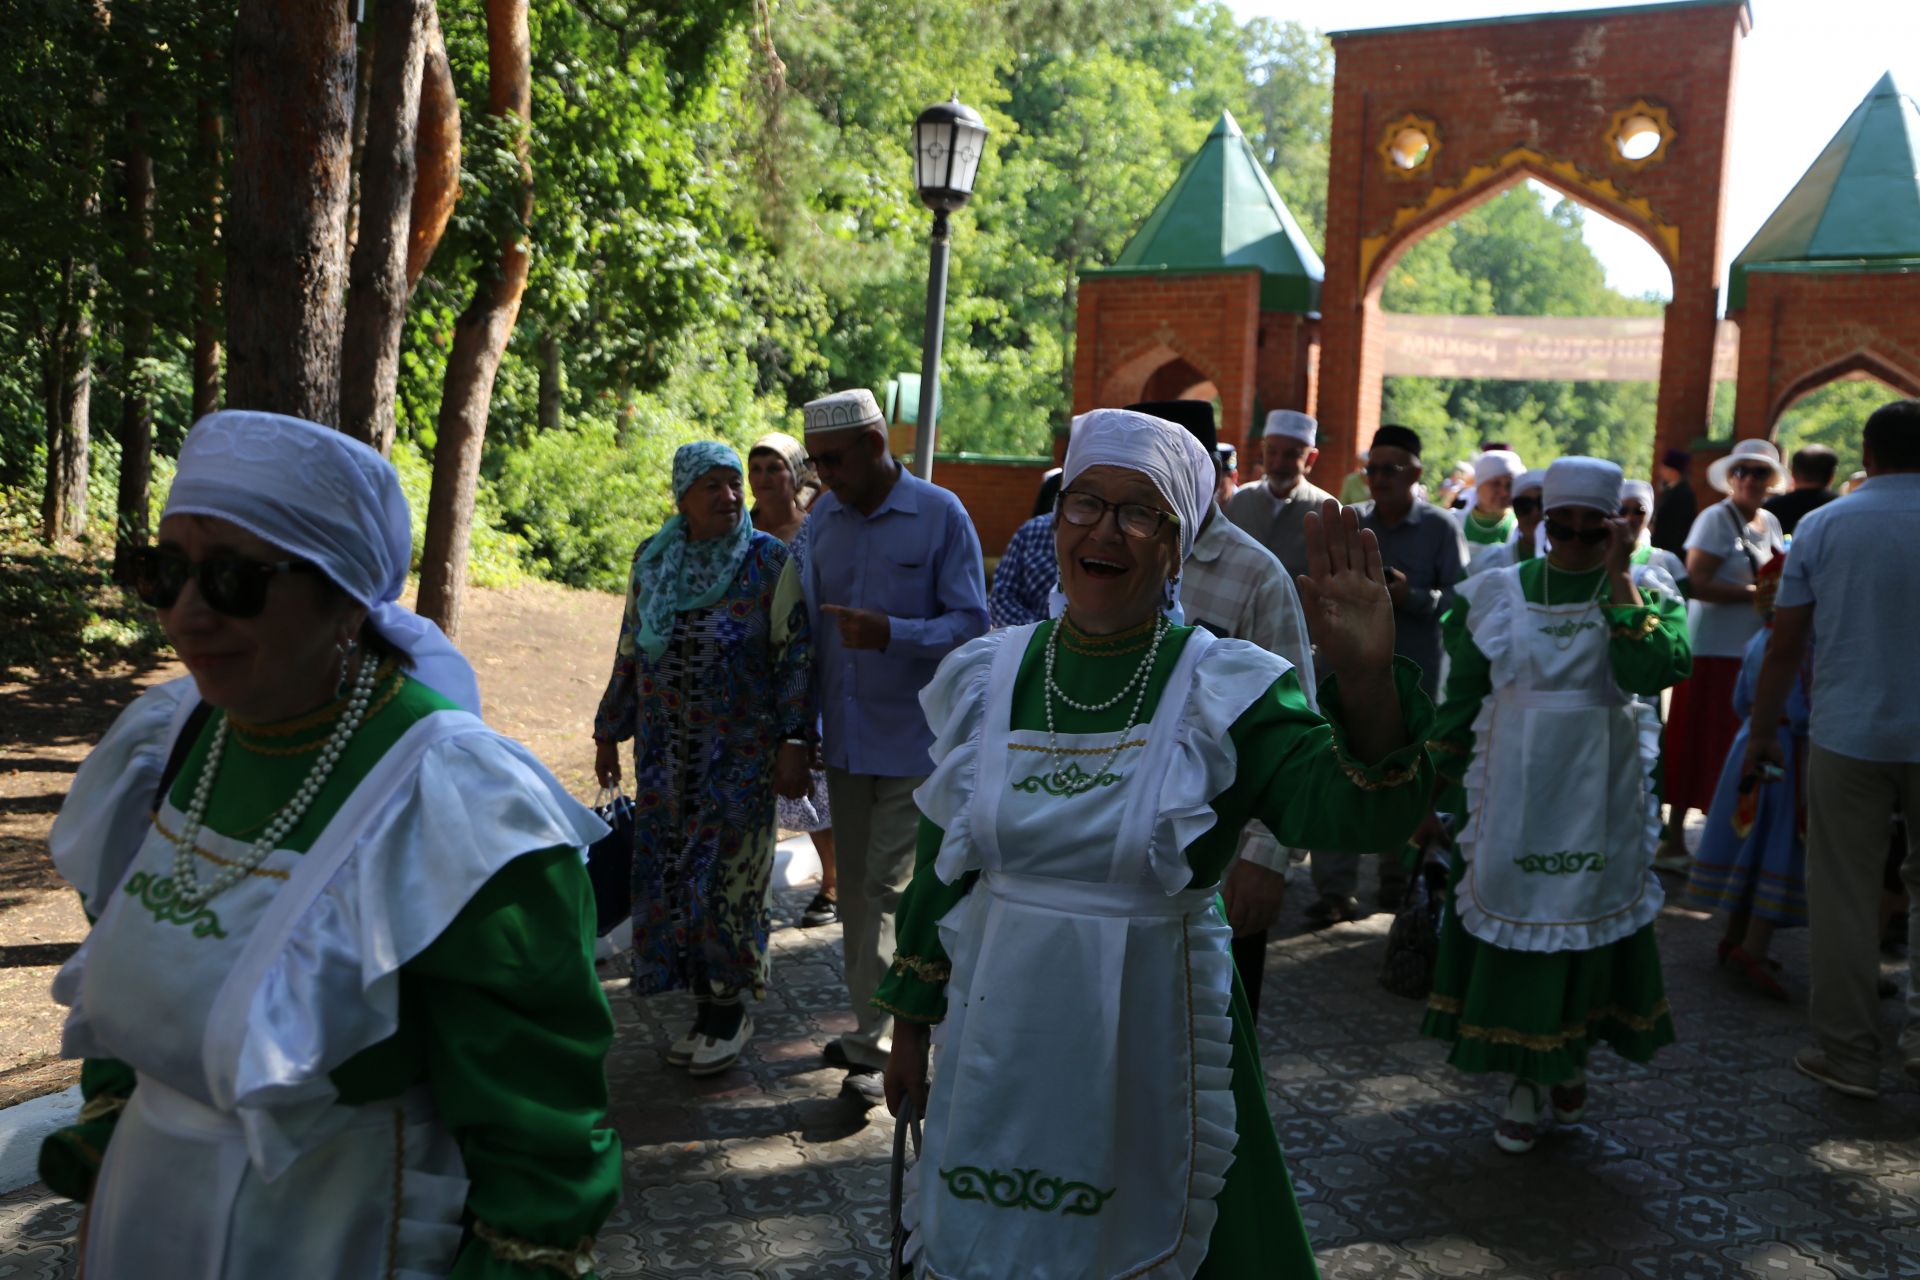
{"points": [[955, 703], [104, 818], [474, 801]]}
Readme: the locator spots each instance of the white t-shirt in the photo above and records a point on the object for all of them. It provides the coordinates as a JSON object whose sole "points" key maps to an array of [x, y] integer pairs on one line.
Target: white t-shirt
{"points": [[1722, 630]]}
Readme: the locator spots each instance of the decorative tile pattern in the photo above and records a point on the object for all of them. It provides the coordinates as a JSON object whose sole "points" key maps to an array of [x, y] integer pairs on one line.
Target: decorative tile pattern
{"points": [[1716, 1161]]}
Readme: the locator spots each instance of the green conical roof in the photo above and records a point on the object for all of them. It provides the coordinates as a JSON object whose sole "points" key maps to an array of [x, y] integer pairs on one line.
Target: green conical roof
{"points": [[1223, 213], [1858, 206]]}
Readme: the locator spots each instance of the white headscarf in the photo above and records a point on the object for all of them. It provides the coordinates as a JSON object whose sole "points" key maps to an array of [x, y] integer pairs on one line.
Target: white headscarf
{"points": [[326, 498], [1165, 454], [1497, 462]]}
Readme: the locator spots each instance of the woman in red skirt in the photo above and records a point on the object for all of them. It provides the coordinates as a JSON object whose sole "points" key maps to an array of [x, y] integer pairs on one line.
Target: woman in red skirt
{"points": [[1729, 543]]}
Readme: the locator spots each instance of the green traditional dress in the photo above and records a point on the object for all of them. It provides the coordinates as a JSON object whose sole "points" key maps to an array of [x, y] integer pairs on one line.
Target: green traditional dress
{"points": [[1482, 537], [380, 1053], [1588, 970], [1222, 735]]}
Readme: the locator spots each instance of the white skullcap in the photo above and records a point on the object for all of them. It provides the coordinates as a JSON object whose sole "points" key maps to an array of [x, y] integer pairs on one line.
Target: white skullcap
{"points": [[1583, 482], [325, 498], [843, 411], [1637, 491], [1294, 425], [1167, 455], [1533, 479], [1497, 462]]}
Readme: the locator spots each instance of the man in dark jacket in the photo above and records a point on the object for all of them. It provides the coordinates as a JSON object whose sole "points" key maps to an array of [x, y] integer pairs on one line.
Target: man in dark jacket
{"points": [[1673, 514]]}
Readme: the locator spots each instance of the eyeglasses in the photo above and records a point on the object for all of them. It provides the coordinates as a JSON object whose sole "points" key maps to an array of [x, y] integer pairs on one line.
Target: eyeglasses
{"points": [[1567, 533], [829, 459], [1525, 506], [1750, 471], [1386, 470], [1136, 519], [232, 585]]}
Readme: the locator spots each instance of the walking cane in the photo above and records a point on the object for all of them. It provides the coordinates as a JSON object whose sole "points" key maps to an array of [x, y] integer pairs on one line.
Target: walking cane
{"points": [[907, 1120]]}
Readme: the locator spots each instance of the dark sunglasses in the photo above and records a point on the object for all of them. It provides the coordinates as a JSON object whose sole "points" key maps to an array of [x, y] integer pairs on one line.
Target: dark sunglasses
{"points": [[831, 458], [1567, 533], [1525, 506], [1387, 470], [1136, 519], [1747, 471], [232, 585]]}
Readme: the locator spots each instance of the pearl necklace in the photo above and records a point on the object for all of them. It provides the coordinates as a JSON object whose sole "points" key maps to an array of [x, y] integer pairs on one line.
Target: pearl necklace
{"points": [[187, 886], [1053, 690]]}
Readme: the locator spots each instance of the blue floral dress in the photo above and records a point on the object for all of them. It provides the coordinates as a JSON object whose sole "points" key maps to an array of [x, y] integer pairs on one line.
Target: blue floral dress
{"points": [[707, 720]]}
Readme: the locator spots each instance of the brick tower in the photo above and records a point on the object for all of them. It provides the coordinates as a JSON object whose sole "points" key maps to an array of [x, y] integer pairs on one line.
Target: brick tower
{"points": [[1216, 294], [1830, 285]]}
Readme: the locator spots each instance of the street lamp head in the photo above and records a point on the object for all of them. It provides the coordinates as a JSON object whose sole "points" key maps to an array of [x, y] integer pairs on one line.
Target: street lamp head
{"points": [[948, 140]]}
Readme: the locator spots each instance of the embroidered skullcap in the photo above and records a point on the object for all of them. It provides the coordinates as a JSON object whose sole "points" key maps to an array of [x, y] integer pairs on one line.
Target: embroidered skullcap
{"points": [[1294, 425], [1637, 491], [1583, 482], [844, 411], [1533, 479], [1497, 462], [1165, 454], [1195, 415], [695, 459], [1393, 436], [325, 498]]}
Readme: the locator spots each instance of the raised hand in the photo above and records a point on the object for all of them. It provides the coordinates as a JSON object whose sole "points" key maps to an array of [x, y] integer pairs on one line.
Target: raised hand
{"points": [[1344, 593]]}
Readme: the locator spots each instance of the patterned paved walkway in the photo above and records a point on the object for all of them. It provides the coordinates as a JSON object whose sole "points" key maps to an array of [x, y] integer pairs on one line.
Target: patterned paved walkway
{"points": [[1716, 1161]]}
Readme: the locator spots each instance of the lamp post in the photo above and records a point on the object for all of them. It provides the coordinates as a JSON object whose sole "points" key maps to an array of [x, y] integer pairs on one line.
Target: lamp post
{"points": [[948, 139]]}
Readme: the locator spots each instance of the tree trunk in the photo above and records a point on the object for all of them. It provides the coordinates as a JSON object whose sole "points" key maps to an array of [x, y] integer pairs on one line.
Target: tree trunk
{"points": [[206, 278], [623, 416], [286, 255], [136, 406], [377, 282], [436, 181], [68, 392], [479, 340], [553, 381]]}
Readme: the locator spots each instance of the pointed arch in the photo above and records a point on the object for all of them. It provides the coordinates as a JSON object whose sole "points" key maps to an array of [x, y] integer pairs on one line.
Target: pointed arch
{"points": [[1897, 375], [1444, 204]]}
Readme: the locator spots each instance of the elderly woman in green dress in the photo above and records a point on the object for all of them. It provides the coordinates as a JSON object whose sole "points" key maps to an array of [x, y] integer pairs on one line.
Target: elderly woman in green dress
{"points": [[1097, 1107], [337, 1008], [1549, 742]]}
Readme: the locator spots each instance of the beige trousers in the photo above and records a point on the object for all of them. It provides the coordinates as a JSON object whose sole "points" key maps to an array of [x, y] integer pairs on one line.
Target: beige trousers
{"points": [[875, 825], [1850, 804]]}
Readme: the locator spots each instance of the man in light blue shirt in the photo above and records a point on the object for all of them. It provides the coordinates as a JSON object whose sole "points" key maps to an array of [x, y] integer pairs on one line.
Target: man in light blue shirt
{"points": [[1851, 578], [894, 582]]}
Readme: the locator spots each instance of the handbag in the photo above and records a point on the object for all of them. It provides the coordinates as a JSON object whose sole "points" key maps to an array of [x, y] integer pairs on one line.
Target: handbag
{"points": [[1413, 943], [610, 861], [908, 1121]]}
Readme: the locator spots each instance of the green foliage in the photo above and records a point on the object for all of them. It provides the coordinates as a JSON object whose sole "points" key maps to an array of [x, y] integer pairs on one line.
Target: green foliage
{"points": [[1514, 255], [1833, 416], [63, 610]]}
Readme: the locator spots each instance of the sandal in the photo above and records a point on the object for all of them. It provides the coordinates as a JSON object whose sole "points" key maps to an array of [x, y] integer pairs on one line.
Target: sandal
{"points": [[1760, 973]]}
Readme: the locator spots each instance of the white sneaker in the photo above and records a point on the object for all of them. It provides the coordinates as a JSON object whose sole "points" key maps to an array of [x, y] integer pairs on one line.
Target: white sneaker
{"points": [[680, 1052], [715, 1055]]}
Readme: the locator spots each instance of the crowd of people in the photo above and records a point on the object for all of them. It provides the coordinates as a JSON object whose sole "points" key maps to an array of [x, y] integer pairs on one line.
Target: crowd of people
{"points": [[340, 1003]]}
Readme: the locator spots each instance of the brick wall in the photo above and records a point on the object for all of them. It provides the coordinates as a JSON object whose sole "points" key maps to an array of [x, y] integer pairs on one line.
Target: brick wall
{"points": [[1800, 331], [1510, 100], [1129, 327], [998, 495]]}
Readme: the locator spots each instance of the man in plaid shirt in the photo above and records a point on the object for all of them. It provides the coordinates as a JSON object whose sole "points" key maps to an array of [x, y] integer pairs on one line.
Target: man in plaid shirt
{"points": [[1235, 588]]}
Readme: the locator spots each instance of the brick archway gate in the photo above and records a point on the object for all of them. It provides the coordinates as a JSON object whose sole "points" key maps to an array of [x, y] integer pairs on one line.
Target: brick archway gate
{"points": [[1429, 121]]}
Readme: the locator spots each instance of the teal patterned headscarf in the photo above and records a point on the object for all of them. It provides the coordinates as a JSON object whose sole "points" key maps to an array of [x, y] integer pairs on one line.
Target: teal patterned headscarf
{"points": [[673, 574]]}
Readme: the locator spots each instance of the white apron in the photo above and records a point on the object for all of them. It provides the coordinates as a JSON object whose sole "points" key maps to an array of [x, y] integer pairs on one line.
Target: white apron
{"points": [[1081, 1117], [350, 1192], [1563, 820]]}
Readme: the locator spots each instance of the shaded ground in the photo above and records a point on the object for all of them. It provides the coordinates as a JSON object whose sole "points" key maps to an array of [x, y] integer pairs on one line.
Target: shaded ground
{"points": [[542, 653], [1717, 1162]]}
